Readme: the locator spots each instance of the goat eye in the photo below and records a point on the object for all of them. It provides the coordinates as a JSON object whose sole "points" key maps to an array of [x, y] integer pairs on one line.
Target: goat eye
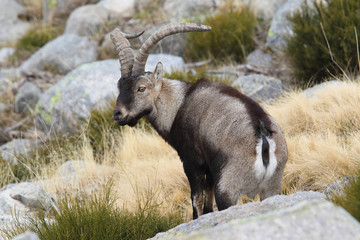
{"points": [[141, 89]]}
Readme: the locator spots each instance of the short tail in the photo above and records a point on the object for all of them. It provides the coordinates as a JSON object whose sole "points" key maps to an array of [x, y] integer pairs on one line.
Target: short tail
{"points": [[266, 161], [265, 154]]}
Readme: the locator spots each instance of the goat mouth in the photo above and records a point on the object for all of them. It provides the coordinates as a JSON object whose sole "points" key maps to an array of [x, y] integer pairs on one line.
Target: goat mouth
{"points": [[121, 121], [126, 121]]}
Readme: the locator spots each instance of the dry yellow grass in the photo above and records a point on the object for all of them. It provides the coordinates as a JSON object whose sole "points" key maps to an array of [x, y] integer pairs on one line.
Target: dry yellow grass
{"points": [[322, 133], [142, 166], [148, 167]]}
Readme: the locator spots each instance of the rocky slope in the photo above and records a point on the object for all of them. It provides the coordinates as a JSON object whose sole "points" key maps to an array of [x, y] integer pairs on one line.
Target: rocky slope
{"points": [[63, 100]]}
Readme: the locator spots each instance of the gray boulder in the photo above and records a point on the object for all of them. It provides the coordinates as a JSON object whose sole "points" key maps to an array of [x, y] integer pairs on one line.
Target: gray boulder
{"points": [[173, 44], [242, 213], [28, 235], [32, 196], [5, 85], [322, 87], [11, 150], [316, 219], [265, 9], [259, 59], [61, 8], [10, 73], [187, 9], [7, 220], [170, 62], [63, 54], [25, 197], [5, 53], [87, 20], [66, 106], [71, 169], [11, 28], [27, 97], [281, 28], [122, 9], [259, 87], [337, 187], [70, 173]]}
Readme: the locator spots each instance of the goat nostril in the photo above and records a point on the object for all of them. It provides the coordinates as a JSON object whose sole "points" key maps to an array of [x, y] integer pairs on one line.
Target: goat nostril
{"points": [[117, 115]]}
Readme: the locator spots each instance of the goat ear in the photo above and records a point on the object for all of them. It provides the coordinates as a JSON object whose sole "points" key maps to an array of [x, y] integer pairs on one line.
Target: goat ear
{"points": [[158, 72]]}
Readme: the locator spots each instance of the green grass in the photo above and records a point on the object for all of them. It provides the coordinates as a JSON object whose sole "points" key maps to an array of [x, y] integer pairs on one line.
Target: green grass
{"points": [[230, 39], [337, 23], [349, 199], [96, 216]]}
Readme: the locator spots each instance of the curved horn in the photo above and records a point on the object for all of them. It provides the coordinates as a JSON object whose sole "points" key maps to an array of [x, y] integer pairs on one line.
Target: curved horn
{"points": [[143, 54], [122, 45]]}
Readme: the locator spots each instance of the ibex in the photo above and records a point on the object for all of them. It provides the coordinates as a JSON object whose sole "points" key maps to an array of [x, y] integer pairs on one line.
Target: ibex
{"points": [[227, 142]]}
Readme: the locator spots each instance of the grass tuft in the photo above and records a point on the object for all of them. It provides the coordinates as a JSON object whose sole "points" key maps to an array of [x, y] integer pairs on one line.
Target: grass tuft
{"points": [[325, 40], [322, 133], [230, 39], [96, 216], [349, 199]]}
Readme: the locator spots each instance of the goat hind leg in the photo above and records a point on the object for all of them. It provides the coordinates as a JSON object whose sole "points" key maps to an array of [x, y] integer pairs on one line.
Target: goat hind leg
{"points": [[209, 194], [196, 179]]}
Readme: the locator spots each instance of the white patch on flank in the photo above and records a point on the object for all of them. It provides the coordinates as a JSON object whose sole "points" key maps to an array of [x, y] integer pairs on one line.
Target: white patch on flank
{"points": [[261, 172], [259, 165], [272, 161]]}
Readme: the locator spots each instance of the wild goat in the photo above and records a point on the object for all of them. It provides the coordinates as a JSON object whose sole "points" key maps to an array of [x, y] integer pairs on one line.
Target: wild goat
{"points": [[228, 144]]}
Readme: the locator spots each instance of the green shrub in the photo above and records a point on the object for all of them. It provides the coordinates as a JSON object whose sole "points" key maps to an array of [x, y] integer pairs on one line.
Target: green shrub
{"points": [[231, 36], [96, 216], [37, 37], [349, 199], [308, 49]]}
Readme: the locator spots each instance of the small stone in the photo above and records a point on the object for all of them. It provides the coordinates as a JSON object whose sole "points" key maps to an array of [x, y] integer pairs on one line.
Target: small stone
{"points": [[27, 97], [315, 90], [259, 59], [5, 53], [32, 196], [5, 85], [3, 107], [337, 187], [122, 9], [259, 87], [28, 235], [11, 150]]}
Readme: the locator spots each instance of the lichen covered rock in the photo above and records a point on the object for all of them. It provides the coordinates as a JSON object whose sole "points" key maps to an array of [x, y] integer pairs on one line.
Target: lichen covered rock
{"points": [[61, 55]]}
